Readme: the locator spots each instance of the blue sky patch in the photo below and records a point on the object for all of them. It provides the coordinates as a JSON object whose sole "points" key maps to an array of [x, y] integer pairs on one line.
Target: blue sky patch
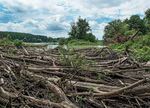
{"points": [[53, 18]]}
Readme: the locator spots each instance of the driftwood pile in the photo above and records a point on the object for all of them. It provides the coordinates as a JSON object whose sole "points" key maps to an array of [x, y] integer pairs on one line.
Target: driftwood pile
{"points": [[36, 78]]}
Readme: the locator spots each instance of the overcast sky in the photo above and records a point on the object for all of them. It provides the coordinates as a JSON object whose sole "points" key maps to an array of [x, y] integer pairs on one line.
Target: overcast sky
{"points": [[53, 17]]}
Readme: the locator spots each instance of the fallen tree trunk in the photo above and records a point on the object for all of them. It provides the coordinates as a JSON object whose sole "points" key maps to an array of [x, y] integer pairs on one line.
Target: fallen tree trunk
{"points": [[95, 87], [65, 102], [113, 93], [62, 74], [34, 61]]}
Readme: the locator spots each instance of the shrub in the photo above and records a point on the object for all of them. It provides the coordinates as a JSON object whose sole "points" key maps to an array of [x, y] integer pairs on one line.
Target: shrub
{"points": [[5, 41], [90, 37], [140, 48], [18, 43], [70, 58], [62, 41]]}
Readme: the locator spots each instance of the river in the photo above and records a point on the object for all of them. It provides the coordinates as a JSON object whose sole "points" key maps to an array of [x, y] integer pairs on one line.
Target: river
{"points": [[52, 46]]}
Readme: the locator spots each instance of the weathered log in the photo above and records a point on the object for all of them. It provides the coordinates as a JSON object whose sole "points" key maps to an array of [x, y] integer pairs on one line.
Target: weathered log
{"points": [[50, 69], [95, 87], [4, 98], [65, 101], [25, 50], [113, 93], [70, 87], [34, 61], [62, 74]]}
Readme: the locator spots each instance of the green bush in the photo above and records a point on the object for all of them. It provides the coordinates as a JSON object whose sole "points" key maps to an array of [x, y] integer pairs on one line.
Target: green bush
{"points": [[80, 42], [90, 37], [70, 58], [18, 43], [140, 48], [62, 41], [5, 41], [129, 32], [146, 40], [142, 54]]}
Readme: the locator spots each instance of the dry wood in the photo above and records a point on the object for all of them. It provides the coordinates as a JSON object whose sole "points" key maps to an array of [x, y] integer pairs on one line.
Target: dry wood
{"points": [[35, 77], [113, 93]]}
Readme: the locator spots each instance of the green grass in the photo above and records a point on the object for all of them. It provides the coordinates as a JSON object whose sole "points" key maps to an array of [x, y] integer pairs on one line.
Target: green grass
{"points": [[83, 42], [7, 42], [140, 48], [74, 43], [35, 45], [80, 47]]}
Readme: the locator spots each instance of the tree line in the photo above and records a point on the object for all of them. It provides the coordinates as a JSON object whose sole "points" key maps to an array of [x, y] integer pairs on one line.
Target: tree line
{"points": [[120, 31], [116, 31], [79, 30], [26, 37]]}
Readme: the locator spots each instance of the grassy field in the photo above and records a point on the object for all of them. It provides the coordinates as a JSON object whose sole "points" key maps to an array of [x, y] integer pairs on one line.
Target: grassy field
{"points": [[84, 44], [7, 42]]}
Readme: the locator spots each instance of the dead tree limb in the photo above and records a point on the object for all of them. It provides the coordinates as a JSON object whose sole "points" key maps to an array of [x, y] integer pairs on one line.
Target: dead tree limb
{"points": [[65, 101], [134, 35], [113, 93]]}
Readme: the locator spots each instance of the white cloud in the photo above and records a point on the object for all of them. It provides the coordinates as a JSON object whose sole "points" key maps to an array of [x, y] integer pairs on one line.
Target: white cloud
{"points": [[53, 17]]}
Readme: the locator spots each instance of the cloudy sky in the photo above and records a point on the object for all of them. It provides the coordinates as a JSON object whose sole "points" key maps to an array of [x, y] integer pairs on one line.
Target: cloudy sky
{"points": [[53, 17]]}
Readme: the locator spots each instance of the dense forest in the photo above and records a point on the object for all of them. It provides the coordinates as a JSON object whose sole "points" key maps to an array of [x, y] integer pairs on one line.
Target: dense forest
{"points": [[26, 37]]}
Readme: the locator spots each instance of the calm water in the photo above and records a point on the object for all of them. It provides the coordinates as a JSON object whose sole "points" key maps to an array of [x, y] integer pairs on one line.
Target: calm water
{"points": [[49, 45], [52, 46]]}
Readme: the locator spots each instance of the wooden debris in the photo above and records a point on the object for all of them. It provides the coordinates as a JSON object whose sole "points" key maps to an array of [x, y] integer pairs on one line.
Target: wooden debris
{"points": [[37, 78]]}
